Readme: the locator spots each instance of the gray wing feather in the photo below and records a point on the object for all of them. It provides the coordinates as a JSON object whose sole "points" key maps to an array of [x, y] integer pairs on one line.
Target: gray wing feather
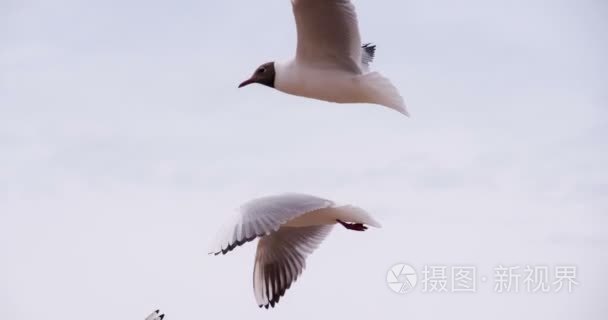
{"points": [[264, 215], [328, 34], [280, 259]]}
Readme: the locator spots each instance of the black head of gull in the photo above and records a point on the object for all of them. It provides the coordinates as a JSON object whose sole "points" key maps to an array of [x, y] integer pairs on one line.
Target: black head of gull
{"points": [[264, 74]]}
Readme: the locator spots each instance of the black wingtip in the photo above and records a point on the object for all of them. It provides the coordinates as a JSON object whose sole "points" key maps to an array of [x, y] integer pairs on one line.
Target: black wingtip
{"points": [[161, 316], [156, 311], [369, 46], [369, 51]]}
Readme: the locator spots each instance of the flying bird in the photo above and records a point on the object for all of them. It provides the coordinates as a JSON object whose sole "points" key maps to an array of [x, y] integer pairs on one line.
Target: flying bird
{"points": [[289, 227], [330, 63], [155, 315]]}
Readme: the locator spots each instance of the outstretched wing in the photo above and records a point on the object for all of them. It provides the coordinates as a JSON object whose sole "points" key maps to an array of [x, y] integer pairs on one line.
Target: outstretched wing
{"points": [[262, 216], [280, 259], [328, 34]]}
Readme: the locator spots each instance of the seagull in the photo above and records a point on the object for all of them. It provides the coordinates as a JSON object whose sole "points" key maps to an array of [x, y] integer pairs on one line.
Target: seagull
{"points": [[155, 315], [330, 64], [290, 227]]}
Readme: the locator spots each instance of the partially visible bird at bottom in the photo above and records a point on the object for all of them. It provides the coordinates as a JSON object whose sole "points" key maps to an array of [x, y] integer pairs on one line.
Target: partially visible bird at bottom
{"points": [[156, 315], [290, 227]]}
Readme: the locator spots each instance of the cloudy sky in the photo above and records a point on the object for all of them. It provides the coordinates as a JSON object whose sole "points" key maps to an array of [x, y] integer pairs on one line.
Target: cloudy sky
{"points": [[125, 144]]}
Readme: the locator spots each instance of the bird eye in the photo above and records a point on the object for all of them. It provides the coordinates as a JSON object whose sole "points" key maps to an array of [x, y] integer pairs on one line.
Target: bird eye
{"points": [[261, 70]]}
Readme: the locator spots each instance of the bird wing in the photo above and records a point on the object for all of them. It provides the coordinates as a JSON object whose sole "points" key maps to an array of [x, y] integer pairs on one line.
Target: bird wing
{"points": [[368, 51], [155, 316], [328, 34], [280, 259], [264, 215]]}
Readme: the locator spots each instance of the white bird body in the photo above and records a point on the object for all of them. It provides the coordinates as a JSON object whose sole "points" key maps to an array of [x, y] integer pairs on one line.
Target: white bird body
{"points": [[331, 215], [290, 227], [330, 64], [336, 85], [332, 85]]}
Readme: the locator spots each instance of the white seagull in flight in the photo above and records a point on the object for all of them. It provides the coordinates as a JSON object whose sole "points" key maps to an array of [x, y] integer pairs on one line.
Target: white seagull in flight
{"points": [[290, 226], [331, 64]]}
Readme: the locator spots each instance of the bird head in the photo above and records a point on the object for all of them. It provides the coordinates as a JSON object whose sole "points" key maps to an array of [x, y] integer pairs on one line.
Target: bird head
{"points": [[264, 74]]}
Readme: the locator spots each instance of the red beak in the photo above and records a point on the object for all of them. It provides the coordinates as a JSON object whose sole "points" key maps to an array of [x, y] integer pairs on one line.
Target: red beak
{"points": [[246, 82]]}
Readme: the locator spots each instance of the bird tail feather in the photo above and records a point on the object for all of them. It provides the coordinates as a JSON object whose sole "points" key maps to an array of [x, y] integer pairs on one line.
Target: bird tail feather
{"points": [[350, 213], [381, 91]]}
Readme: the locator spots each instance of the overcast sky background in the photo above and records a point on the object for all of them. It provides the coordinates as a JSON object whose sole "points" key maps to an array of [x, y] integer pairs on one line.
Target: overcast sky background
{"points": [[125, 144]]}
